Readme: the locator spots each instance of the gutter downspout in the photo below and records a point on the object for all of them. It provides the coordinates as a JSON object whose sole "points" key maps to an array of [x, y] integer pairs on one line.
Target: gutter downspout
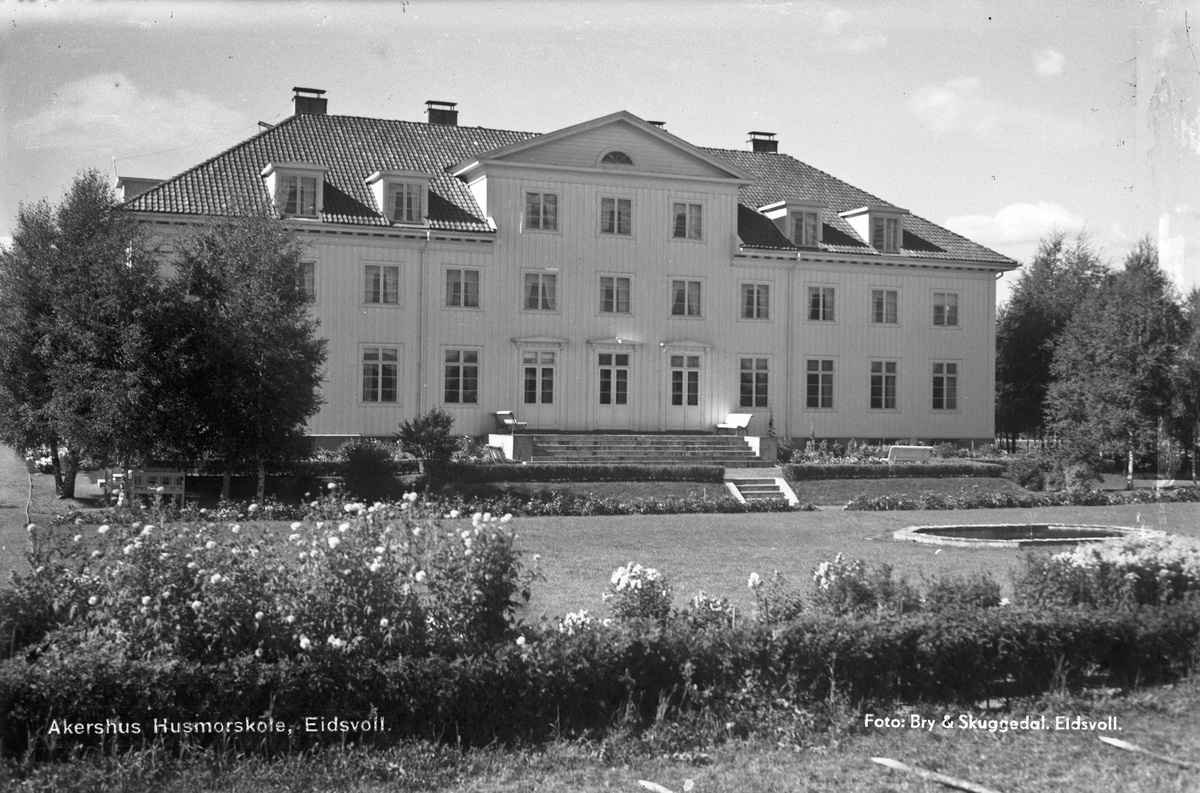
{"points": [[421, 324]]}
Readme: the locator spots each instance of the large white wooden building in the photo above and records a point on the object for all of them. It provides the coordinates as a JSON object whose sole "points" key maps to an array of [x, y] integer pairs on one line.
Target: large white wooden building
{"points": [[610, 276]]}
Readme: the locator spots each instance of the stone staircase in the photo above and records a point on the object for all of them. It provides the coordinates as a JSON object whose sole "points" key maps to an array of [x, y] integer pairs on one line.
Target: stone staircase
{"points": [[724, 450], [759, 489]]}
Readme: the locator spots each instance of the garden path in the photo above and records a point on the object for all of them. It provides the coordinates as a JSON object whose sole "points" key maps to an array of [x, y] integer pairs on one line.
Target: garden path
{"points": [[14, 494]]}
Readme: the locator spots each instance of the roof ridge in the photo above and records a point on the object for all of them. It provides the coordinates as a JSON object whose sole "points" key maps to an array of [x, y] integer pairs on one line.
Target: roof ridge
{"points": [[425, 124], [815, 168]]}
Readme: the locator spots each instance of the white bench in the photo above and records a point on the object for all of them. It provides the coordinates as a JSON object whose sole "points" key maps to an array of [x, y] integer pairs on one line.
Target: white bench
{"points": [[735, 422], [505, 420], [159, 483], [909, 454]]}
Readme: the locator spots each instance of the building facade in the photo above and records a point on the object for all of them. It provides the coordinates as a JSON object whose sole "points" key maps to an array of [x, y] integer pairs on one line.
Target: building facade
{"points": [[610, 277]]}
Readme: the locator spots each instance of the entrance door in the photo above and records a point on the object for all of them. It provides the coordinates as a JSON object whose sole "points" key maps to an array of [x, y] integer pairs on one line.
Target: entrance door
{"points": [[540, 396], [684, 410], [612, 409]]}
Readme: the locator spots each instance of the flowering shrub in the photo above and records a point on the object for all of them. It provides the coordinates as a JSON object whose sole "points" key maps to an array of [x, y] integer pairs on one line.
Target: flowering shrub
{"points": [[775, 601], [580, 621], [1114, 574], [974, 499], [841, 587], [639, 593], [374, 581], [969, 592], [708, 610]]}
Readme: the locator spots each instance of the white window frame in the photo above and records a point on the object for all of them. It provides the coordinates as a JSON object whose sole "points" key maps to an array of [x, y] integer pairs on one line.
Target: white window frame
{"points": [[459, 399], [540, 365], [687, 283], [799, 218], [409, 200], [541, 276], [887, 233], [379, 363], [613, 367], [944, 294], [949, 405], [826, 307], [757, 400], [693, 226], [686, 392], [601, 160], [616, 232], [884, 373], [600, 303], [883, 291], [461, 306], [384, 270], [759, 312], [821, 373], [541, 225]]}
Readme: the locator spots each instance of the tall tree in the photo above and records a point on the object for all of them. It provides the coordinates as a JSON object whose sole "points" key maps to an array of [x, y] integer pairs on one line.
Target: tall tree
{"points": [[1058, 279], [1114, 366], [1187, 377], [252, 357], [78, 367]]}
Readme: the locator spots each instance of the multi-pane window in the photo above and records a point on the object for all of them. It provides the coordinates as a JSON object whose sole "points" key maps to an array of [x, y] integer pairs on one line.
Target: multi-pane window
{"points": [[616, 215], [541, 211], [883, 385], [687, 221], [462, 377], [614, 378], [380, 372], [884, 304], [405, 202], [616, 158], [818, 383], [756, 301], [945, 308], [945, 386], [462, 288], [614, 294], [538, 370], [753, 382], [685, 380], [685, 298], [541, 292], [885, 234], [381, 284], [306, 280], [298, 195], [805, 226], [820, 303]]}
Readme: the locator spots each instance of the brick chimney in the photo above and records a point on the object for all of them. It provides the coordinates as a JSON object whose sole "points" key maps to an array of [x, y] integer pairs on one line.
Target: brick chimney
{"points": [[309, 101], [441, 112], [763, 141]]}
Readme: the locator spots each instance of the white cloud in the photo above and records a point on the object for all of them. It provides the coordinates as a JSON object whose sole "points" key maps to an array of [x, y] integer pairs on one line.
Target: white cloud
{"points": [[1016, 229], [1049, 62], [962, 105], [106, 113], [839, 30]]}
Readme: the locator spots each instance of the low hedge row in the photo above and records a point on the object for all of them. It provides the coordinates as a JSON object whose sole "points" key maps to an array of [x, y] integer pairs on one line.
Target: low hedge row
{"points": [[559, 684], [580, 472], [559, 505], [948, 468], [1079, 497]]}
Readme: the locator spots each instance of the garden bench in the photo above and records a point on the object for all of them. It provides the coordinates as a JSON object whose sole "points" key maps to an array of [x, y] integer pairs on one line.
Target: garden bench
{"points": [[909, 454], [507, 422], [735, 422], [147, 483]]}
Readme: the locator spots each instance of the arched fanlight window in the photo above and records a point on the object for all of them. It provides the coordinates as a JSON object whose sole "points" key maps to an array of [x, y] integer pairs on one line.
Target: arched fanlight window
{"points": [[616, 158]]}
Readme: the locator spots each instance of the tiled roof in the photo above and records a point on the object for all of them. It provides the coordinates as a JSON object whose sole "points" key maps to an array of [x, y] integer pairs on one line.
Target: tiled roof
{"points": [[352, 148]]}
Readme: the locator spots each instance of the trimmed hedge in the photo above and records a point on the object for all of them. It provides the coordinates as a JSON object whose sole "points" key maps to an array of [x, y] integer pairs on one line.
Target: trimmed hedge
{"points": [[581, 472], [565, 685], [941, 469]]}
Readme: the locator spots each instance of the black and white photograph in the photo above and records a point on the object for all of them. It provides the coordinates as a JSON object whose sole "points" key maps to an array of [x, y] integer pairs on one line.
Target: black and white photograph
{"points": [[534, 395]]}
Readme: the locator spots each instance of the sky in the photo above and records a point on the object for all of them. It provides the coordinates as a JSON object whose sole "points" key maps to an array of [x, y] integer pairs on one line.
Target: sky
{"points": [[998, 120]]}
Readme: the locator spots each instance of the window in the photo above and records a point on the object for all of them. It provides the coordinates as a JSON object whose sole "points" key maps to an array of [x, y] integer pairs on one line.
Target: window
{"points": [[462, 288], [685, 298], [298, 195], [945, 308], [820, 303], [380, 372], [754, 382], [306, 280], [884, 304], [805, 226], [381, 284], [539, 376], [685, 380], [616, 216], [462, 377], [687, 221], [404, 202], [818, 383], [614, 378], [541, 211], [885, 234], [756, 301], [616, 158], [614, 294], [883, 385], [541, 292], [945, 386]]}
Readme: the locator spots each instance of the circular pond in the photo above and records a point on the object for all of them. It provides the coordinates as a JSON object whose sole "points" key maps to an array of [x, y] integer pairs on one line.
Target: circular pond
{"points": [[1016, 535]]}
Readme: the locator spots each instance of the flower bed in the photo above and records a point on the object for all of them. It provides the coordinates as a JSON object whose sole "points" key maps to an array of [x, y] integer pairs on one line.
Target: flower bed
{"points": [[881, 470], [1000, 500]]}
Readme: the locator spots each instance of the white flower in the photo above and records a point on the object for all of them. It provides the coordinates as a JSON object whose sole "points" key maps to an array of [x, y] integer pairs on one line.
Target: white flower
{"points": [[478, 516], [293, 537], [258, 615], [78, 537], [465, 535], [145, 600], [755, 582], [128, 549], [195, 605], [103, 529], [216, 578], [454, 513], [383, 623], [296, 526], [333, 542], [95, 554], [210, 545], [506, 518], [304, 642], [315, 504], [289, 619], [159, 489], [410, 497], [235, 528], [520, 641], [335, 642], [258, 653], [333, 485], [374, 566], [92, 600], [252, 508], [420, 577], [343, 527], [379, 549], [146, 531], [416, 531]]}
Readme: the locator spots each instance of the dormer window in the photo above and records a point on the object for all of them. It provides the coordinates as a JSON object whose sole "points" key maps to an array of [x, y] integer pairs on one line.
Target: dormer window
{"points": [[616, 158], [806, 228], [296, 188], [880, 227], [798, 220], [885, 234], [400, 195]]}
